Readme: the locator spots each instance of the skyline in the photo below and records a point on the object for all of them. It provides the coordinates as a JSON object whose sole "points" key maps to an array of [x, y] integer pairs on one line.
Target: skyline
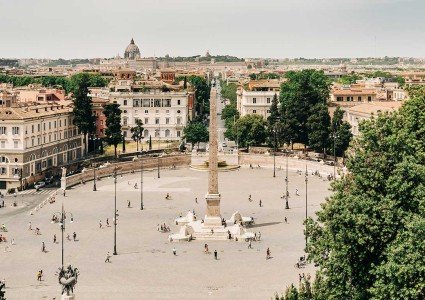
{"points": [[328, 28]]}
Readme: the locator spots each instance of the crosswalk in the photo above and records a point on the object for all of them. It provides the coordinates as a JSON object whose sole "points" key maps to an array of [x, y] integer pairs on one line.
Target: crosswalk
{"points": [[35, 192]]}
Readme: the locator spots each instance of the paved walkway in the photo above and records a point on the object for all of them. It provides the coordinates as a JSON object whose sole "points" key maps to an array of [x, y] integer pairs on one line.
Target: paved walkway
{"points": [[145, 267]]}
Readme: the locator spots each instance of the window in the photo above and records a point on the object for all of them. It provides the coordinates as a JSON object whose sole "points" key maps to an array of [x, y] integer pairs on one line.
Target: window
{"points": [[3, 144], [167, 111], [44, 126], [146, 120], [254, 111], [2, 130], [146, 103], [156, 120], [254, 100], [145, 133], [125, 102], [268, 100], [178, 102], [168, 103], [167, 120], [2, 170], [157, 103], [32, 142], [124, 120], [50, 138], [178, 133], [60, 123], [32, 128], [4, 159], [178, 121], [64, 122], [15, 130], [157, 111], [15, 144], [146, 111], [268, 111], [369, 98], [50, 125], [167, 133]]}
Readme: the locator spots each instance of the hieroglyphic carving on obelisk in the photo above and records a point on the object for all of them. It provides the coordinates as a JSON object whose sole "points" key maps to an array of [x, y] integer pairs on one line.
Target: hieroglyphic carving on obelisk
{"points": [[213, 196]]}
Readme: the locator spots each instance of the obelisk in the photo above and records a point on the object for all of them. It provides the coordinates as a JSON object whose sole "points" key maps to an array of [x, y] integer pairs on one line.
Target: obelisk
{"points": [[213, 217]]}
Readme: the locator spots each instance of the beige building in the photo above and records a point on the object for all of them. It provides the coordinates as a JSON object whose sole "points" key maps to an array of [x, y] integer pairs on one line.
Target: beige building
{"points": [[257, 97], [35, 141], [365, 111]]}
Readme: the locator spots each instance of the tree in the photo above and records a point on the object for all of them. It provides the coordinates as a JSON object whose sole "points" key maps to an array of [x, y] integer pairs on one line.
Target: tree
{"points": [[250, 130], [303, 90], [340, 133], [273, 122], [196, 132], [113, 123], [137, 132], [83, 115], [368, 237], [185, 83], [318, 125]]}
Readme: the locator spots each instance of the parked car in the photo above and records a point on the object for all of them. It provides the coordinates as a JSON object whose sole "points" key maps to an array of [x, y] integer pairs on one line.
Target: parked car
{"points": [[39, 185], [48, 180]]}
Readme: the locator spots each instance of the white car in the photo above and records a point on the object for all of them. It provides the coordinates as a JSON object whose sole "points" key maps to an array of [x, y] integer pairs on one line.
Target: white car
{"points": [[39, 184]]}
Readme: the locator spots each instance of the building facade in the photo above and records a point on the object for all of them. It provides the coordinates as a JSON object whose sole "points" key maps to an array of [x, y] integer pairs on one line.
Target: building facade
{"points": [[164, 114], [36, 141]]}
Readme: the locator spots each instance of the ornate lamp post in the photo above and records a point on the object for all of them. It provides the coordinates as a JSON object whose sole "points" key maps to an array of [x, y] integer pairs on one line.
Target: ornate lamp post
{"points": [[306, 201], [115, 211], [62, 216], [159, 145], [141, 183], [274, 152], [287, 181]]}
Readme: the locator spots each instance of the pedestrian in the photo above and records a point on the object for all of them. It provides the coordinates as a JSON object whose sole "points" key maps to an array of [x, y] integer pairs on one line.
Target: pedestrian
{"points": [[174, 251], [29, 226], [249, 198], [128, 203], [39, 275], [196, 200], [157, 227], [74, 235], [100, 224], [107, 258], [43, 247], [107, 222], [259, 235], [255, 236], [206, 249], [54, 239], [286, 220], [299, 277], [268, 253], [250, 245], [215, 254], [68, 237], [64, 193], [12, 242], [261, 203], [296, 192]]}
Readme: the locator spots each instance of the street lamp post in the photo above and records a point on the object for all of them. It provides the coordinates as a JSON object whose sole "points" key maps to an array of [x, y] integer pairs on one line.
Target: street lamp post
{"points": [[287, 181], [159, 146], [115, 212], [141, 183], [274, 152], [335, 136], [306, 201], [62, 215], [94, 166]]}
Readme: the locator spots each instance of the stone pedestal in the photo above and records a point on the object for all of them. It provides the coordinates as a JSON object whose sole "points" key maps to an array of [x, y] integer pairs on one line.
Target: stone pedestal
{"points": [[68, 297]]}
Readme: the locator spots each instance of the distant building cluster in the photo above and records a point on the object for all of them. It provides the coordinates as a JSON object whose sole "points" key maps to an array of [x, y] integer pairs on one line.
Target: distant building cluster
{"points": [[38, 134]]}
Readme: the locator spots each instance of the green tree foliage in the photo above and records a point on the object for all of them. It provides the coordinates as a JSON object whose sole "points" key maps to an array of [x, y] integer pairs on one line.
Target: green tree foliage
{"points": [[254, 76], [302, 91], [83, 115], [340, 133], [196, 133], [137, 132], [318, 125], [250, 130], [95, 80], [368, 240], [202, 94], [229, 113], [228, 91], [349, 79], [113, 133]]}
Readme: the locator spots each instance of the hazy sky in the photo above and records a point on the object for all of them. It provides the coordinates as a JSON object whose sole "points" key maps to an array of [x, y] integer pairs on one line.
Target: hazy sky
{"points": [[245, 28]]}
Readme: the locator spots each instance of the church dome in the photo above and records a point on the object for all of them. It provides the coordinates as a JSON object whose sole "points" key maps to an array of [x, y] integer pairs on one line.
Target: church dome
{"points": [[132, 51]]}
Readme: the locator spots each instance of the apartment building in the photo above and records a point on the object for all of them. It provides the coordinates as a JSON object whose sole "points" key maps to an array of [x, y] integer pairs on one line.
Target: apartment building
{"points": [[35, 141]]}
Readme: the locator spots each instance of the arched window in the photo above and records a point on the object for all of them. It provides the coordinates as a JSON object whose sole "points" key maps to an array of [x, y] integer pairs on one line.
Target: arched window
{"points": [[44, 153], [167, 133], [146, 133]]}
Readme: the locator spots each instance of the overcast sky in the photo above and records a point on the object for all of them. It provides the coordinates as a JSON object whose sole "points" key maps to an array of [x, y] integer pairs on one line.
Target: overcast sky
{"points": [[244, 28]]}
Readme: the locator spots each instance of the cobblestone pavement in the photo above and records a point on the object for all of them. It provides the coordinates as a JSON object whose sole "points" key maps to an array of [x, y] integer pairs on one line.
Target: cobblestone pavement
{"points": [[145, 267]]}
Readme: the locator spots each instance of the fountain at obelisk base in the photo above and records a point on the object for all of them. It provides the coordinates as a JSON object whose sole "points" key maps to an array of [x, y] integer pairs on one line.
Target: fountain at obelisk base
{"points": [[213, 226]]}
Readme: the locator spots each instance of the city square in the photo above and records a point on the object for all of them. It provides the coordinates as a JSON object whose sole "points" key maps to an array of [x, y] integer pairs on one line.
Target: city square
{"points": [[145, 267]]}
